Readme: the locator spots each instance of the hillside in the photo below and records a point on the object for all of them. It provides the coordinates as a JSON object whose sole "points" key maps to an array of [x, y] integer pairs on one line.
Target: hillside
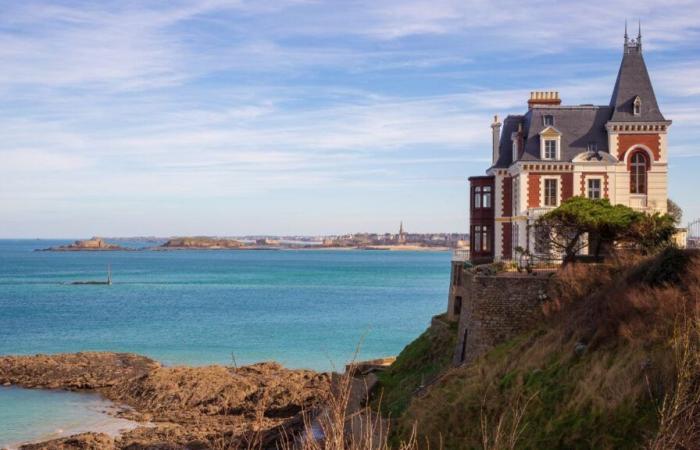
{"points": [[615, 365]]}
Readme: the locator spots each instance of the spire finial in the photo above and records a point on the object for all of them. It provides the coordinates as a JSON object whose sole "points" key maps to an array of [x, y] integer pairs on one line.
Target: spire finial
{"points": [[639, 34], [626, 36]]}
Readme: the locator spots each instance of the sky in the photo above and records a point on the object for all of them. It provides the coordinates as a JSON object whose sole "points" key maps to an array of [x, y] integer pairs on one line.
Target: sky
{"points": [[123, 118]]}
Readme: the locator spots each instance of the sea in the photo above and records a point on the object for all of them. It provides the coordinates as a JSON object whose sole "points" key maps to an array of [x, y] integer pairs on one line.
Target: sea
{"points": [[310, 308]]}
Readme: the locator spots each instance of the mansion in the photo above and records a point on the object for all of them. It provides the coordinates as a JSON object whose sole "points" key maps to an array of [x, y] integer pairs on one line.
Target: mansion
{"points": [[555, 151]]}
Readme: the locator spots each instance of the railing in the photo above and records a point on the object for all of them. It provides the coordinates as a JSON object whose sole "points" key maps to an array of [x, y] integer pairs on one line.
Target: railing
{"points": [[461, 254], [693, 236]]}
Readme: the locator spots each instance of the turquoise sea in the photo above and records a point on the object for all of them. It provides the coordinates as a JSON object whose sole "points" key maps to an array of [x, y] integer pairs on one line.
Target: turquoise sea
{"points": [[303, 308]]}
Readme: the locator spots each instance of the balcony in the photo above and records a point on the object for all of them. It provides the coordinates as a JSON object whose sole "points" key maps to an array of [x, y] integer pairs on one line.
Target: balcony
{"points": [[461, 254]]}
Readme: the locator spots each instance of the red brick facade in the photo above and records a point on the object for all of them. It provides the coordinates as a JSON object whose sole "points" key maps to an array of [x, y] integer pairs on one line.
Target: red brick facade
{"points": [[567, 186], [533, 190], [627, 141], [507, 197]]}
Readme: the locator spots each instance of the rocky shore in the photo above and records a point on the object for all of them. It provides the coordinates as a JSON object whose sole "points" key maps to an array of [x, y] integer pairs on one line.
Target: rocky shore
{"points": [[180, 407]]}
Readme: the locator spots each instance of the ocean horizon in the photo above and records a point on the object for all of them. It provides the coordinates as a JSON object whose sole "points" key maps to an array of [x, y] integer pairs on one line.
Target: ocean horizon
{"points": [[304, 309]]}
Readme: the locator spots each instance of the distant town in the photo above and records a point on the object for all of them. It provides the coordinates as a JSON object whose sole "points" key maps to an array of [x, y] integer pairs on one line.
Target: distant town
{"points": [[368, 241]]}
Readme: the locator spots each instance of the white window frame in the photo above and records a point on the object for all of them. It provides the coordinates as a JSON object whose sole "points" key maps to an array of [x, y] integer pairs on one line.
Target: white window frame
{"points": [[557, 147], [544, 120], [637, 106], [543, 195], [547, 155], [600, 187]]}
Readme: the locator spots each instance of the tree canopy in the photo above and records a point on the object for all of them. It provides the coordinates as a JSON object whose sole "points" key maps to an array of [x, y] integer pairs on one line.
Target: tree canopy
{"points": [[566, 227]]}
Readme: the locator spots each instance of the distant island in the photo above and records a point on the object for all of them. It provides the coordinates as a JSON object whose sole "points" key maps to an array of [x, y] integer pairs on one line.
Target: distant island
{"points": [[202, 242], [401, 241], [93, 244]]}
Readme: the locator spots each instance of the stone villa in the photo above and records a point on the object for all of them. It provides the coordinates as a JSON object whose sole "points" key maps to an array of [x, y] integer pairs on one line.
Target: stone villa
{"points": [[555, 151]]}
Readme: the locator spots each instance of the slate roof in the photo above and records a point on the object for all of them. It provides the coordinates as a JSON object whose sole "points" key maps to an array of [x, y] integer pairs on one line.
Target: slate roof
{"points": [[583, 125], [579, 126], [632, 81]]}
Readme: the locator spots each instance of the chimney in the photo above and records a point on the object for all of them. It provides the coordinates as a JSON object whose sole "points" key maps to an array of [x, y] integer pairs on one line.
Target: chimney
{"points": [[496, 137], [543, 98]]}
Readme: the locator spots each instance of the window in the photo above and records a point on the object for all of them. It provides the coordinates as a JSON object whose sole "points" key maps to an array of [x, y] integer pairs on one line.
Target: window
{"points": [[550, 149], [486, 201], [482, 243], [593, 147], [637, 106], [515, 150], [482, 197], [548, 120], [594, 188], [638, 173], [551, 195]]}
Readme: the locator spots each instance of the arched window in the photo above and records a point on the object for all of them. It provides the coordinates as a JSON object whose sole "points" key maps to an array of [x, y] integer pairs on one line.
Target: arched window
{"points": [[638, 173], [637, 106]]}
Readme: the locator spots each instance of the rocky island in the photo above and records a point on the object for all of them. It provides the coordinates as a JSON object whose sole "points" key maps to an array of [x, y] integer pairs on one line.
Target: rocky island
{"points": [[199, 243], [90, 245]]}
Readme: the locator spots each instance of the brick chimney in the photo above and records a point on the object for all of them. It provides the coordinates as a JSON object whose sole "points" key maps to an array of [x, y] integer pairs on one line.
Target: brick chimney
{"points": [[544, 98]]}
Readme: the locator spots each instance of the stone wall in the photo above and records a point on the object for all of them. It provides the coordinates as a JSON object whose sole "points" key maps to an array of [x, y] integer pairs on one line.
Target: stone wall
{"points": [[495, 309]]}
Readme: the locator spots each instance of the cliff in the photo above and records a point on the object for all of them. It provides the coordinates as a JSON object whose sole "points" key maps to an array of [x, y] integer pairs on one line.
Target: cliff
{"points": [[615, 363]]}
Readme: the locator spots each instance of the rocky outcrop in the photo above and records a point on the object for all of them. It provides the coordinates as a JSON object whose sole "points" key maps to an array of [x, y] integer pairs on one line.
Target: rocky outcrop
{"points": [[201, 243], [191, 407], [92, 244], [72, 371], [83, 441]]}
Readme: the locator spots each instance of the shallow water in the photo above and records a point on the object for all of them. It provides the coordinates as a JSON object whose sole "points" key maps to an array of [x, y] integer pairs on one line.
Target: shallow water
{"points": [[35, 414]]}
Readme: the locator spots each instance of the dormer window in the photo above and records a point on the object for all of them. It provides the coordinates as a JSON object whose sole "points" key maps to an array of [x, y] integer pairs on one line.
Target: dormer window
{"points": [[548, 120], [637, 106], [550, 149], [515, 151], [593, 147]]}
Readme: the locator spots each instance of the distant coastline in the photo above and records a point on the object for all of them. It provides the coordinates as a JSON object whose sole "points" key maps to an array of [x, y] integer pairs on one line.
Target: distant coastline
{"points": [[97, 244]]}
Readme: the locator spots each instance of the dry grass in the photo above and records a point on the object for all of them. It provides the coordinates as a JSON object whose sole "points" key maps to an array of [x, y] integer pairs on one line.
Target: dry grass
{"points": [[338, 425], [679, 414], [617, 360], [505, 433]]}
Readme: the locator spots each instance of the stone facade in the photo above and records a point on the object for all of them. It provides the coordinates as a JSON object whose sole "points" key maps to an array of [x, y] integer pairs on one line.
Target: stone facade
{"points": [[492, 309]]}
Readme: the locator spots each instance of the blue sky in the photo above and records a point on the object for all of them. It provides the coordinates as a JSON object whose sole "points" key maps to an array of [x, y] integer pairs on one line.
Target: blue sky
{"points": [[300, 116]]}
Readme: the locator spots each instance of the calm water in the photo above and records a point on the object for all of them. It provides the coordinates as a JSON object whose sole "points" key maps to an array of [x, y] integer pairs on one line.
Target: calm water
{"points": [[306, 308], [31, 414]]}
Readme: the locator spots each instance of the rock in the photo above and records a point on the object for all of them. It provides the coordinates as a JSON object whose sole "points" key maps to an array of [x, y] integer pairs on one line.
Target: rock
{"points": [[84, 441], [190, 406]]}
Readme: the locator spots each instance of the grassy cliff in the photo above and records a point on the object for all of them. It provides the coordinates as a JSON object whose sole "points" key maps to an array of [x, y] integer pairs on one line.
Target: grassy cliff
{"points": [[615, 365]]}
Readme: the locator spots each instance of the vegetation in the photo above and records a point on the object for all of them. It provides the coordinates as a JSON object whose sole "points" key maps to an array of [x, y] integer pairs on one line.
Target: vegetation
{"points": [[616, 365], [674, 211], [564, 229], [419, 363]]}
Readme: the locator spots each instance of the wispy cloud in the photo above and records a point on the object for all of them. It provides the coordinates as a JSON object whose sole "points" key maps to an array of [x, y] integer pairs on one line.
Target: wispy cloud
{"points": [[253, 102]]}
